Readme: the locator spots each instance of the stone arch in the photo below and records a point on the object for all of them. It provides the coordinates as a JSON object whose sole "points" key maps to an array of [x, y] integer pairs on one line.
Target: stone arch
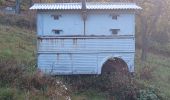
{"points": [[114, 63]]}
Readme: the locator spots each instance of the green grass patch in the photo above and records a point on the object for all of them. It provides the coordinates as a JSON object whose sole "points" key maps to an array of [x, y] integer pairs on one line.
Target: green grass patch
{"points": [[160, 71], [90, 95], [17, 43]]}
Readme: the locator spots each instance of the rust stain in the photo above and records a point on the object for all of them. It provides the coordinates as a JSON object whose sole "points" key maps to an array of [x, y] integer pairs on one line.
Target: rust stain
{"points": [[62, 42], [75, 42], [58, 57], [40, 39], [71, 57]]}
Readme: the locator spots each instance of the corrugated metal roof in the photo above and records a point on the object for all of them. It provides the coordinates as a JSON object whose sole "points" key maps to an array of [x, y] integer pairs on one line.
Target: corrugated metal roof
{"points": [[91, 5]]}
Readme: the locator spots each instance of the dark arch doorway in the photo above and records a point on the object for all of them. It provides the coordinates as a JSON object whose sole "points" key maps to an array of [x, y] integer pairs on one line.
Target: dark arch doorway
{"points": [[115, 65], [116, 79]]}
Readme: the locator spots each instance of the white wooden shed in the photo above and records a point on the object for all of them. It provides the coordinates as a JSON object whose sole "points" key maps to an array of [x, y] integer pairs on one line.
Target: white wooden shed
{"points": [[77, 38]]}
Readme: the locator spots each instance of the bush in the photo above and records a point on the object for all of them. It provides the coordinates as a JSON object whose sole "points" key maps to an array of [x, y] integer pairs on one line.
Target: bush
{"points": [[36, 83], [18, 20], [148, 94], [2, 2], [6, 94]]}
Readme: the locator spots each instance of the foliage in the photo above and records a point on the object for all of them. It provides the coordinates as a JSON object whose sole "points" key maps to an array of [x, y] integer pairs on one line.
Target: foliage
{"points": [[2, 2], [161, 37], [14, 76], [146, 73], [6, 94], [148, 94], [18, 20], [17, 64]]}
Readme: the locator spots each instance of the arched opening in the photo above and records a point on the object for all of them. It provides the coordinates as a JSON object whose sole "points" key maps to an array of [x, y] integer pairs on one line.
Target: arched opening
{"points": [[116, 78], [115, 64]]}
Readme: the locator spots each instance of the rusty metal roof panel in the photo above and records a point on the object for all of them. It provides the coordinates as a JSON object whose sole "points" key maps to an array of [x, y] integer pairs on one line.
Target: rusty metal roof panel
{"points": [[89, 5]]}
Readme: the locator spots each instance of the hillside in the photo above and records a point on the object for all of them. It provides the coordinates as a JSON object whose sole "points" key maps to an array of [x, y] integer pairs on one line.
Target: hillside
{"points": [[18, 45], [20, 80], [17, 39]]}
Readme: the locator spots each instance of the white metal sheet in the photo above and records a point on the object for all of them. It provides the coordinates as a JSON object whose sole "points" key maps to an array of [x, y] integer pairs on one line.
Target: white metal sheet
{"points": [[89, 5]]}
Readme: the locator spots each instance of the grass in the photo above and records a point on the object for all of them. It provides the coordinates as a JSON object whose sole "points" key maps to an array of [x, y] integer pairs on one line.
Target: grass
{"points": [[160, 72], [89, 95], [10, 94], [16, 42]]}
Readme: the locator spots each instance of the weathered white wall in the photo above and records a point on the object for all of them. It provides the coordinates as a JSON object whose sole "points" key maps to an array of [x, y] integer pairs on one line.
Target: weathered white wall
{"points": [[100, 24], [83, 56], [96, 24], [69, 23], [90, 63]]}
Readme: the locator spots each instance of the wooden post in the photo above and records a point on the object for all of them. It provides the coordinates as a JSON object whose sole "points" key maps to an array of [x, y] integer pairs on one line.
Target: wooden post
{"points": [[84, 14], [17, 6]]}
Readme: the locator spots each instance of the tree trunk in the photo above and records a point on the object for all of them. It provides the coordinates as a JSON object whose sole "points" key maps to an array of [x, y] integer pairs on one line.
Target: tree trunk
{"points": [[144, 39], [144, 48]]}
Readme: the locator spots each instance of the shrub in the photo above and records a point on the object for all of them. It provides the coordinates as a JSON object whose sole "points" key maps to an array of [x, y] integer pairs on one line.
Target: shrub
{"points": [[2, 2], [21, 21], [6, 94], [36, 84], [9, 93], [148, 94]]}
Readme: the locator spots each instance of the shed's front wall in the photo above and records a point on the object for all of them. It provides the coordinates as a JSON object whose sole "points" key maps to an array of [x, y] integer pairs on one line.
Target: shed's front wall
{"points": [[62, 54], [98, 23]]}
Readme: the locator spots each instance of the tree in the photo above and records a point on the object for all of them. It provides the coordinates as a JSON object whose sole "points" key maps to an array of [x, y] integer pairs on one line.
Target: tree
{"points": [[152, 11]]}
